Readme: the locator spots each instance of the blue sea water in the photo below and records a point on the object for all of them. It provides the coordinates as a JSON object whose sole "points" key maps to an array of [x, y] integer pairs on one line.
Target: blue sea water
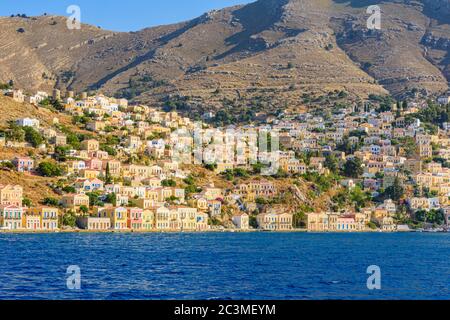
{"points": [[225, 266]]}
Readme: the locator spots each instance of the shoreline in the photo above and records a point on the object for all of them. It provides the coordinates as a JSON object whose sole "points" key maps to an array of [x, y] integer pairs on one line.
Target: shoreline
{"points": [[204, 232]]}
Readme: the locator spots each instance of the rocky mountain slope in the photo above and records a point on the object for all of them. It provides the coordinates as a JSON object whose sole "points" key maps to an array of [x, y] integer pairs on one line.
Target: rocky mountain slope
{"points": [[266, 54]]}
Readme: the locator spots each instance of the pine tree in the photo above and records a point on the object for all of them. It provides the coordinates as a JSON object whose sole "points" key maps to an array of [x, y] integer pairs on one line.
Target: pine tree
{"points": [[108, 178], [405, 105], [396, 191]]}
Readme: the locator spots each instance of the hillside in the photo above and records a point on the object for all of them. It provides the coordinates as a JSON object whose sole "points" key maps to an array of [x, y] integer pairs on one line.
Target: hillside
{"points": [[11, 110], [267, 54]]}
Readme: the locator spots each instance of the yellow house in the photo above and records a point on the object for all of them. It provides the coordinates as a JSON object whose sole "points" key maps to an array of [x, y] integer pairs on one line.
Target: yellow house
{"points": [[317, 222], [96, 125], [151, 194], [293, 166], [164, 193], [143, 203], [74, 166], [90, 174], [187, 216], [169, 165], [222, 167], [148, 219], [152, 182], [118, 217], [387, 224], [162, 218], [114, 167], [11, 195], [83, 154], [380, 213], [425, 150], [90, 145], [48, 217], [212, 193], [201, 221], [419, 203], [325, 221], [274, 221], [75, 201], [241, 221], [201, 203], [133, 170]]}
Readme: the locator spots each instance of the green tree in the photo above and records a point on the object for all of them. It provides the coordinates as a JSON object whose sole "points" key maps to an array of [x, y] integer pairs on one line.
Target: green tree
{"points": [[111, 150], [69, 189], [210, 166], [257, 167], [409, 145], [431, 216], [395, 191], [108, 178], [353, 168], [7, 165], [346, 146], [94, 198], [57, 104], [61, 153], [15, 133], [49, 169], [50, 201], [372, 225], [84, 209], [69, 219], [434, 114], [172, 199], [168, 183], [331, 163], [111, 198], [261, 201], [27, 202], [73, 140], [405, 105], [33, 137], [253, 222], [300, 219], [359, 197]]}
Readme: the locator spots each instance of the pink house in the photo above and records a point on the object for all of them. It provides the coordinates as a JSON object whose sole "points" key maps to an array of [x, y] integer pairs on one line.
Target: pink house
{"points": [[94, 164], [24, 164], [135, 218]]}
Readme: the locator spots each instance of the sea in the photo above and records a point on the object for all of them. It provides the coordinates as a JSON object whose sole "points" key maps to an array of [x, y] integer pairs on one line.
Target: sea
{"points": [[222, 266]]}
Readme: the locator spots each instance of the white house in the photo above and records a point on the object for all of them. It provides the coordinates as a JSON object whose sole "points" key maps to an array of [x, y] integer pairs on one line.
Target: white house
{"points": [[28, 122], [241, 221], [445, 99]]}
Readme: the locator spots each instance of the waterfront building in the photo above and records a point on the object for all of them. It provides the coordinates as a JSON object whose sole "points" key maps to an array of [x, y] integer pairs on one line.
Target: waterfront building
{"points": [[271, 221], [31, 221], [241, 221], [118, 217], [148, 220], [134, 221], [94, 223], [48, 216], [11, 217]]}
